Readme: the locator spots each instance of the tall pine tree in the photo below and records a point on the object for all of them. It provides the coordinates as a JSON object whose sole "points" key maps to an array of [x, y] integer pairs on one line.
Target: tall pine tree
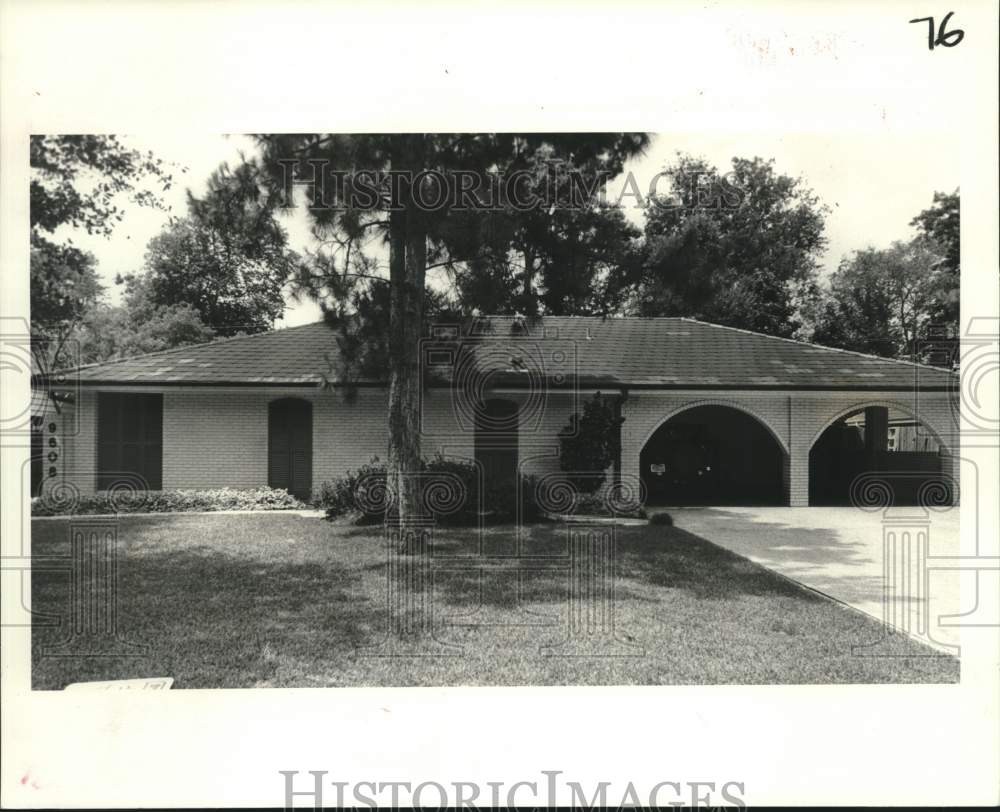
{"points": [[338, 172]]}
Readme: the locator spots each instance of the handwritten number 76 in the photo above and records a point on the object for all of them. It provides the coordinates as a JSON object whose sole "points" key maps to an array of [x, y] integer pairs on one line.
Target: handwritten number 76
{"points": [[949, 39]]}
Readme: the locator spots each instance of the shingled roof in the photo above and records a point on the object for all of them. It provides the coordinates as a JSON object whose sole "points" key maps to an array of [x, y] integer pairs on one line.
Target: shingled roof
{"points": [[659, 353]]}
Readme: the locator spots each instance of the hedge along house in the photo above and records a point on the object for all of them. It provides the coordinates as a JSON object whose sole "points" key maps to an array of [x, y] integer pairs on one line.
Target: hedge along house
{"points": [[710, 414]]}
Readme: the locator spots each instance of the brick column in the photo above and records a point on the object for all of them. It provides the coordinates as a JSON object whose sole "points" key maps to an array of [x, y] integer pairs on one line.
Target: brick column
{"points": [[796, 465], [797, 477]]}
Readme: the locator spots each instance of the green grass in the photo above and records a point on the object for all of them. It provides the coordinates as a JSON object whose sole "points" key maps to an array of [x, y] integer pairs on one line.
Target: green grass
{"points": [[262, 600]]}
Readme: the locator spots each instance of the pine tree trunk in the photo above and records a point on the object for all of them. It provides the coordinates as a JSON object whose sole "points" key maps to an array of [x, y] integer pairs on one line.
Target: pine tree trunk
{"points": [[407, 268], [530, 303]]}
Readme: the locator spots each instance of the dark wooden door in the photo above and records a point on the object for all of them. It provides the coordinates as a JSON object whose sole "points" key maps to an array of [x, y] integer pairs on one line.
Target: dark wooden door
{"points": [[289, 446], [496, 453]]}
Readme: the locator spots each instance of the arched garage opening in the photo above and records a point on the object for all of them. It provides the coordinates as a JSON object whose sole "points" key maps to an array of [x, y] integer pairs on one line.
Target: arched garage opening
{"points": [[876, 439], [713, 455]]}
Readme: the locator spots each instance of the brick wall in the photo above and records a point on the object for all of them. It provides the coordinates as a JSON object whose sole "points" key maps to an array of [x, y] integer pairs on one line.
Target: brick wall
{"points": [[219, 438]]}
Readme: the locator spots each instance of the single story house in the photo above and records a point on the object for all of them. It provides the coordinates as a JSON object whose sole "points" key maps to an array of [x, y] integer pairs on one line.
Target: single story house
{"points": [[710, 414]]}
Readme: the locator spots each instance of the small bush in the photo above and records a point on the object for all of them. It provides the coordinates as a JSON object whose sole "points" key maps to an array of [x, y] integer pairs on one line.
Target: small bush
{"points": [[458, 502], [594, 505], [360, 492], [466, 500], [588, 444], [175, 501], [662, 519]]}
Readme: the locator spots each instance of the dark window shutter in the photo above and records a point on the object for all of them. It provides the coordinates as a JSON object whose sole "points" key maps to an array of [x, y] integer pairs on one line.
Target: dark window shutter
{"points": [[129, 439], [289, 446]]}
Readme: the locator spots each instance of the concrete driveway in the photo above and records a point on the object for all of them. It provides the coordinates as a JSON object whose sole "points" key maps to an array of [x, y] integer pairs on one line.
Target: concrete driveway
{"points": [[841, 552]]}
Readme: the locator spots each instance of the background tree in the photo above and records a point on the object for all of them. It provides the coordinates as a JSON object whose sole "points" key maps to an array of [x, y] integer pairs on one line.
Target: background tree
{"points": [[740, 249], [942, 224], [64, 287], [77, 181], [137, 326], [559, 258], [228, 259], [880, 301]]}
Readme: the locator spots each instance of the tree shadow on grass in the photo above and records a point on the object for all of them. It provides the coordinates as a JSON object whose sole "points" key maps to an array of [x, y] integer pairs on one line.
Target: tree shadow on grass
{"points": [[673, 558], [211, 620], [657, 556]]}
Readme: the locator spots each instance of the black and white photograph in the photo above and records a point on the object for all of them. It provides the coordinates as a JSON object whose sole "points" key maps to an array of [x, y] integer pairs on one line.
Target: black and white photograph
{"points": [[542, 431], [394, 419]]}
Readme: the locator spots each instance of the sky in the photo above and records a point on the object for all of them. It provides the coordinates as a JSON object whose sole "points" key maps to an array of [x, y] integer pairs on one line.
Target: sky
{"points": [[873, 186]]}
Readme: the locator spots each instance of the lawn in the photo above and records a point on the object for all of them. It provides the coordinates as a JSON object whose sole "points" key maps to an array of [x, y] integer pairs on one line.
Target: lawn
{"points": [[277, 600]]}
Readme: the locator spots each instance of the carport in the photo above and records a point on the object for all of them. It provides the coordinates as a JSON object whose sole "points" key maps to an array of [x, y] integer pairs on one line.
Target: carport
{"points": [[712, 455], [876, 447]]}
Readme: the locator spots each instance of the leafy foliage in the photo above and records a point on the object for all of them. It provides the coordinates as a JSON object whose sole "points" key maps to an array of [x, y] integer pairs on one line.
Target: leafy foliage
{"points": [[941, 223], [228, 259], [346, 494], [64, 286], [498, 259], [77, 182], [589, 442], [880, 301], [172, 501], [137, 326], [558, 259], [598, 504], [739, 249], [219, 271], [358, 494], [63, 166]]}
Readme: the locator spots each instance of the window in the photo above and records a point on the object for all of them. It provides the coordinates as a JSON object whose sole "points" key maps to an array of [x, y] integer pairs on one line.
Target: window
{"points": [[129, 439]]}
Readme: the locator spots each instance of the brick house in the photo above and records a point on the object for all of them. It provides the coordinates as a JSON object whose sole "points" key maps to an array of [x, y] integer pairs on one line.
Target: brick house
{"points": [[710, 414]]}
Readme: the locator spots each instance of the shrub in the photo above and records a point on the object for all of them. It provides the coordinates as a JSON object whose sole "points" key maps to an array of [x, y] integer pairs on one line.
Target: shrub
{"points": [[362, 492], [465, 476], [662, 519], [593, 505], [588, 443], [65, 503]]}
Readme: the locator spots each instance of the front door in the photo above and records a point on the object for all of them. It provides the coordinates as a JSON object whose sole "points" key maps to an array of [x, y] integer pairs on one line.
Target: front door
{"points": [[289, 446], [496, 453]]}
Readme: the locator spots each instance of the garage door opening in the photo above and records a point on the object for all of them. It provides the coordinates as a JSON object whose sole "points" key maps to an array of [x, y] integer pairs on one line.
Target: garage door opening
{"points": [[880, 440], [713, 455]]}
